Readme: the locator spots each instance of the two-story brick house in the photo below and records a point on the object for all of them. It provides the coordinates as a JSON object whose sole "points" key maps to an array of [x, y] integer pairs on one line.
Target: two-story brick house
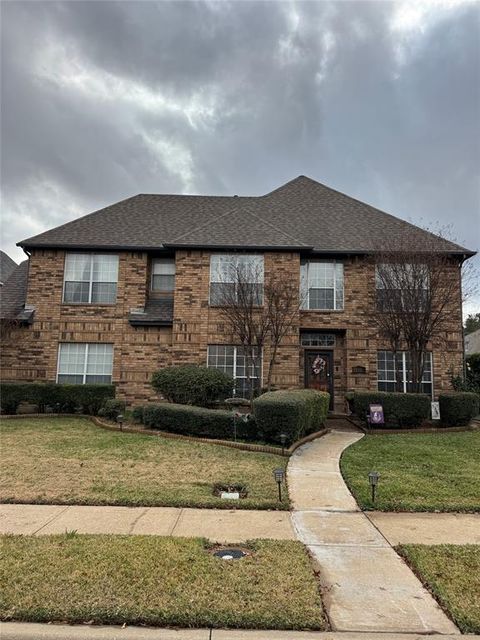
{"points": [[124, 291]]}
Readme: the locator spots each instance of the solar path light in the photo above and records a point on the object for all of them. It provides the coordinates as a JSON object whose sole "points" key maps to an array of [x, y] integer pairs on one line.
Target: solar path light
{"points": [[279, 474], [120, 421], [373, 478], [283, 440]]}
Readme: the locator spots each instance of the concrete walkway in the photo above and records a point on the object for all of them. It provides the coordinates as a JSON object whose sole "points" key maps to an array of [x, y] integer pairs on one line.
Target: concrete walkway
{"points": [[34, 631], [366, 586], [427, 528], [224, 526], [218, 525]]}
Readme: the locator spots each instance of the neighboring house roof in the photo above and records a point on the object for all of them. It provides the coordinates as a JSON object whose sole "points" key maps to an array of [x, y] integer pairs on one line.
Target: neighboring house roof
{"points": [[7, 265], [13, 295], [472, 342], [302, 214], [156, 312]]}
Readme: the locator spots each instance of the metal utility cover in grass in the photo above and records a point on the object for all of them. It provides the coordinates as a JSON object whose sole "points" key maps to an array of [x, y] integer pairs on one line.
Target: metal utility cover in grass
{"points": [[230, 554]]}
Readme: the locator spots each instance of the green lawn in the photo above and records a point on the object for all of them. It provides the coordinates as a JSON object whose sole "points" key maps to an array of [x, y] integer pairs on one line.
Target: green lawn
{"points": [[419, 472], [452, 573], [157, 581], [71, 461]]}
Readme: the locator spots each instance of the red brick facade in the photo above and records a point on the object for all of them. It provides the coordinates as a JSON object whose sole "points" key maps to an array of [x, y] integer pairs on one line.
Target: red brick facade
{"points": [[31, 352]]}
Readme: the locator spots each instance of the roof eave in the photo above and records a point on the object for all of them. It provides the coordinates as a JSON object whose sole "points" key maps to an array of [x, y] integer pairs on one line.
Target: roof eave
{"points": [[91, 247], [167, 246]]}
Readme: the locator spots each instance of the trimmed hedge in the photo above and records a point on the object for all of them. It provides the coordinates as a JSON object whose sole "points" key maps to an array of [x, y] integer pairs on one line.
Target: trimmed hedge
{"points": [[112, 409], [192, 384], [457, 409], [137, 414], [401, 410], [296, 413], [62, 398], [197, 421]]}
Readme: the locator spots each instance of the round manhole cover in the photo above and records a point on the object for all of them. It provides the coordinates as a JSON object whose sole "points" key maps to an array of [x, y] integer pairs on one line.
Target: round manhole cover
{"points": [[230, 554]]}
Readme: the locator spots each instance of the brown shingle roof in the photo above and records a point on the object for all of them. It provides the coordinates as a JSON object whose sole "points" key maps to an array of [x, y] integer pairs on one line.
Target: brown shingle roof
{"points": [[13, 295], [301, 214], [156, 312], [7, 265]]}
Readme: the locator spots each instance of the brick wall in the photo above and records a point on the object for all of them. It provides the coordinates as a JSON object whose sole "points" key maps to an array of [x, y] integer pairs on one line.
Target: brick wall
{"points": [[30, 353]]}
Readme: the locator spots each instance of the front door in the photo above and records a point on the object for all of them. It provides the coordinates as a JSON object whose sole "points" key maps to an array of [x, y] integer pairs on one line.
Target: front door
{"points": [[319, 372]]}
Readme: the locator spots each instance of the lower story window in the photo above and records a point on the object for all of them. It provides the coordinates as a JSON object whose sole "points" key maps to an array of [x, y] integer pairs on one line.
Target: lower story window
{"points": [[386, 372], [84, 363], [233, 361]]}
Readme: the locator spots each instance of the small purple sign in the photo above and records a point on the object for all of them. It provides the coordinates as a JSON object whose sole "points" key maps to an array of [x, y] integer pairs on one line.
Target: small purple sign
{"points": [[376, 414]]}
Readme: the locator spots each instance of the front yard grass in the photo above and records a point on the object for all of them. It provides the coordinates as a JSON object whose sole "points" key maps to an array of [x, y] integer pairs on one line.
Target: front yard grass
{"points": [[452, 573], [72, 461], [109, 579], [418, 472]]}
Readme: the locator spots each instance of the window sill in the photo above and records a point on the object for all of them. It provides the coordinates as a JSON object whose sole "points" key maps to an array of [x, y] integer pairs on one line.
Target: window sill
{"points": [[228, 306], [88, 304], [322, 310]]}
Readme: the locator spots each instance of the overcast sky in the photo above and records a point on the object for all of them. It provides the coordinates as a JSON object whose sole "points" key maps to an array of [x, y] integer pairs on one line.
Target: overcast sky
{"points": [[102, 100]]}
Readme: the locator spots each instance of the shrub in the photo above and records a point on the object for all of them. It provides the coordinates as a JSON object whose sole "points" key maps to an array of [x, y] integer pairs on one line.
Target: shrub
{"points": [[11, 396], [471, 382], [457, 409], [191, 384], [112, 409], [401, 410], [137, 414], [197, 421], [295, 413], [64, 398]]}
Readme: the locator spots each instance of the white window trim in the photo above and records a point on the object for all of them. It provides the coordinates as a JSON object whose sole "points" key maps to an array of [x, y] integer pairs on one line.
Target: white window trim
{"points": [[90, 284], [235, 256], [85, 364], [379, 284], [235, 377], [404, 371], [162, 274], [315, 346], [305, 293]]}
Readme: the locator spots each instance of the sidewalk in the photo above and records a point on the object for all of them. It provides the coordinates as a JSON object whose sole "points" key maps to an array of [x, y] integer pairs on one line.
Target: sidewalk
{"points": [[367, 586], [218, 525], [33, 631], [427, 528], [228, 526]]}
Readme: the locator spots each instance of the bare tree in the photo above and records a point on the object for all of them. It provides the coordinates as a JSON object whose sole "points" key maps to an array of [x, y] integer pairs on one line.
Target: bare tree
{"points": [[418, 286], [259, 312], [282, 301]]}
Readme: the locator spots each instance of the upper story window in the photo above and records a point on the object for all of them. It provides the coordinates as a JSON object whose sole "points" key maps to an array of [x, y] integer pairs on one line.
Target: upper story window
{"points": [[236, 279], [401, 286], [90, 278], [322, 285], [163, 275], [85, 363]]}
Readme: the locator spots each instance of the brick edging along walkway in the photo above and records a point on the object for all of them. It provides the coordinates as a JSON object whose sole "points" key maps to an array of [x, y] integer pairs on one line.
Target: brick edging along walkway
{"points": [[110, 426]]}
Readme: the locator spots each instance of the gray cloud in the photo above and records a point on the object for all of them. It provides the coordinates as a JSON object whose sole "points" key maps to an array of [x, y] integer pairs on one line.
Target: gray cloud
{"points": [[101, 100]]}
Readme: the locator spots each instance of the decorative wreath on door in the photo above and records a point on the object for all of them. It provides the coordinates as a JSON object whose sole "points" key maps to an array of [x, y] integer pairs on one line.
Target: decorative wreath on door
{"points": [[318, 365]]}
